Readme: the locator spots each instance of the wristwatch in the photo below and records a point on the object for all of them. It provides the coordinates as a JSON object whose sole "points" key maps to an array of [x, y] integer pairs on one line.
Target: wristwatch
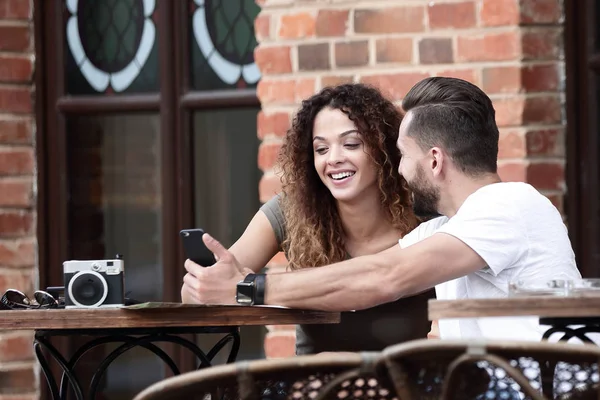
{"points": [[251, 291]]}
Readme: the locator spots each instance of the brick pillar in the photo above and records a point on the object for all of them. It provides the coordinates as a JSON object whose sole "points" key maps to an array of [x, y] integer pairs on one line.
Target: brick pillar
{"points": [[509, 48], [18, 246]]}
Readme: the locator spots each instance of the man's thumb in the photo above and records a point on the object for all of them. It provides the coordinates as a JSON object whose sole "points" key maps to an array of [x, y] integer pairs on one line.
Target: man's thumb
{"points": [[220, 252]]}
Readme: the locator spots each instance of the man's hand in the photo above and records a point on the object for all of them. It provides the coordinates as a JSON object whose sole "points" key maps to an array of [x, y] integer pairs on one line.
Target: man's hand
{"points": [[215, 284]]}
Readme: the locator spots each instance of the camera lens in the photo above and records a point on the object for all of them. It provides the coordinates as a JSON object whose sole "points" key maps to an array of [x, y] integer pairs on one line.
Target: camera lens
{"points": [[88, 289]]}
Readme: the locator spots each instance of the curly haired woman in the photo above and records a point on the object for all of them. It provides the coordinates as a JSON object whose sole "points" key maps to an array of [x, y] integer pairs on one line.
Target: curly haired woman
{"points": [[341, 197]]}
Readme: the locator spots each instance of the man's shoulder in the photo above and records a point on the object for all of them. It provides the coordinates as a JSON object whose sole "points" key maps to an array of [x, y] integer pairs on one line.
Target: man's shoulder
{"points": [[423, 231]]}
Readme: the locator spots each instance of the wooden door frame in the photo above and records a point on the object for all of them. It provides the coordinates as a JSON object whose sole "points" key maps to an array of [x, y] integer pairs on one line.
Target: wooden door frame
{"points": [[582, 138]]}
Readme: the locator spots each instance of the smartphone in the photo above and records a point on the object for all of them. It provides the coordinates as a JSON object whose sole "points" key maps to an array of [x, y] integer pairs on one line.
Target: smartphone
{"points": [[194, 247]]}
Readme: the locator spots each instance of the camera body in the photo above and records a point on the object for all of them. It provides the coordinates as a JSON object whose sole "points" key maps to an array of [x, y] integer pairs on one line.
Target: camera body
{"points": [[94, 283]]}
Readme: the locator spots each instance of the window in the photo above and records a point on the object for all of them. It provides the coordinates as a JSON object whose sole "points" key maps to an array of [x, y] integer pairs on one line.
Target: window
{"points": [[150, 115]]}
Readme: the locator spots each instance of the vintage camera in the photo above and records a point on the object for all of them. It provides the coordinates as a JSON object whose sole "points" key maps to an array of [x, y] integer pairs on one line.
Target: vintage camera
{"points": [[94, 283]]}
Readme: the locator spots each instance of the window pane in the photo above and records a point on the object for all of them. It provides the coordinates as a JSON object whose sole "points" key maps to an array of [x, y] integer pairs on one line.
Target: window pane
{"points": [[111, 47], [115, 207], [226, 189], [222, 44]]}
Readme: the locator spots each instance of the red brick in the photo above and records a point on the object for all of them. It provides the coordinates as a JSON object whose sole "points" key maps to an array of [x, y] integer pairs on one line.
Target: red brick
{"points": [[513, 171], [16, 161], [267, 155], [272, 124], [313, 57], [513, 79], [14, 38], [394, 50], [17, 380], [504, 79], [280, 344], [511, 144], [352, 54], [488, 47], [545, 142], [269, 186], [334, 80], [297, 26], [15, 131], [546, 175], [17, 279], [279, 92], [15, 99], [389, 20], [557, 200], [469, 75], [509, 111], [16, 346], [451, 15], [541, 43], [540, 11], [395, 85], [15, 9], [436, 51], [15, 223], [288, 328], [542, 109], [278, 260], [15, 69], [16, 192], [540, 78], [499, 12], [332, 22], [273, 60], [17, 253], [262, 27], [305, 87], [22, 396]]}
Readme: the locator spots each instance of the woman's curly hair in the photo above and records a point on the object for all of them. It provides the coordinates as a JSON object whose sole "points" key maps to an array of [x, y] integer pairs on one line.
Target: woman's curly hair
{"points": [[315, 236]]}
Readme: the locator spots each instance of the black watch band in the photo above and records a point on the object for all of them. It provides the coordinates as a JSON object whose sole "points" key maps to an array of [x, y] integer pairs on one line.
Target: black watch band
{"points": [[251, 291]]}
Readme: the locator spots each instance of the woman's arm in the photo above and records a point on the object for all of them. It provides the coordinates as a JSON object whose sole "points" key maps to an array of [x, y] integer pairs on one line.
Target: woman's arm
{"points": [[253, 249]]}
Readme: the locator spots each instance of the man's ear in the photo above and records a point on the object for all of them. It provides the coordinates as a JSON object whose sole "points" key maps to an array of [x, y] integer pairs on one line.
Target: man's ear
{"points": [[436, 161]]}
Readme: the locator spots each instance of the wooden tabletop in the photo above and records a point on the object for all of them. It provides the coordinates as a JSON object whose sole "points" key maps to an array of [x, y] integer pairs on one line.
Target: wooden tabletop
{"points": [[153, 315], [541, 306]]}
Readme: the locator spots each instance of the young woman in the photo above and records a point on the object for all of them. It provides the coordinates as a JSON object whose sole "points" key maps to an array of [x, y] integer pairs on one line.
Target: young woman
{"points": [[341, 197]]}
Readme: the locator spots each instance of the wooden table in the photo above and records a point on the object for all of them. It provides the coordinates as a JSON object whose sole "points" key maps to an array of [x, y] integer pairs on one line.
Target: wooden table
{"points": [[556, 311], [143, 325]]}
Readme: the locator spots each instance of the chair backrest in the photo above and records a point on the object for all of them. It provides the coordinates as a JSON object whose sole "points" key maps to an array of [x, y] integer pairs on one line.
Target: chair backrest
{"points": [[443, 369], [339, 376]]}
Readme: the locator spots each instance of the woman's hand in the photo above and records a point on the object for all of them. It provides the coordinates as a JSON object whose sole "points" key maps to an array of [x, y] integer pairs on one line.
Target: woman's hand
{"points": [[215, 284]]}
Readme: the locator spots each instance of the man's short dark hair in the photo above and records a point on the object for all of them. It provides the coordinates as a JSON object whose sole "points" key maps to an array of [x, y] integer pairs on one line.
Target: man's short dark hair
{"points": [[458, 116]]}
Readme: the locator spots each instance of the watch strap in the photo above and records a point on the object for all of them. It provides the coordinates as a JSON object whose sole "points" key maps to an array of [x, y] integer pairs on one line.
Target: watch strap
{"points": [[258, 294]]}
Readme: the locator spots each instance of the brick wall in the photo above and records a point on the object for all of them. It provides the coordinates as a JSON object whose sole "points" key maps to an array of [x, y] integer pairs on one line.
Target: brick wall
{"points": [[18, 371], [509, 48]]}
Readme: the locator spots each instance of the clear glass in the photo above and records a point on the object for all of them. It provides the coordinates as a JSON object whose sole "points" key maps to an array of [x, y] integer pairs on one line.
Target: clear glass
{"points": [[114, 207], [585, 287], [226, 177], [556, 287]]}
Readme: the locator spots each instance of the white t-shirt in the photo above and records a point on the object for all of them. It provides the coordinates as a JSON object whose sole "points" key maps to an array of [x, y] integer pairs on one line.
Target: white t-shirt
{"points": [[521, 236]]}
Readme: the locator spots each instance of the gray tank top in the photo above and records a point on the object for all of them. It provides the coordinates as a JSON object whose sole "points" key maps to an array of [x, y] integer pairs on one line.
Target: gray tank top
{"points": [[372, 329]]}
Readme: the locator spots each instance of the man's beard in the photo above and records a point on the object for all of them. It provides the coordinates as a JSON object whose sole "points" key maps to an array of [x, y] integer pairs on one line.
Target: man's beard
{"points": [[425, 197]]}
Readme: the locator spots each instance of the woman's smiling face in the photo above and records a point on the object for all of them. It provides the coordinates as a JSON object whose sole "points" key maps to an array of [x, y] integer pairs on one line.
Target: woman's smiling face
{"points": [[341, 158]]}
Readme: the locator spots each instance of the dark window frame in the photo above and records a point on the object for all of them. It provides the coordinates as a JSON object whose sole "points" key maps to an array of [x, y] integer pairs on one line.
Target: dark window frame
{"points": [[175, 102], [582, 51]]}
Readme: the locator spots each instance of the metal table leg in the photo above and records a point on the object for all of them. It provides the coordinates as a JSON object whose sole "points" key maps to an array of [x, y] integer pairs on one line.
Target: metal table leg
{"points": [[145, 338]]}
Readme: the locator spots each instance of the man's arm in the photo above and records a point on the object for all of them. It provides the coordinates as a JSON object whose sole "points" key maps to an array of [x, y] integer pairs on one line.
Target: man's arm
{"points": [[367, 281]]}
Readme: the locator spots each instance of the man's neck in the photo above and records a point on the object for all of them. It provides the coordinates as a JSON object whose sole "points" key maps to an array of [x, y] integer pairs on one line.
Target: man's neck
{"points": [[459, 188]]}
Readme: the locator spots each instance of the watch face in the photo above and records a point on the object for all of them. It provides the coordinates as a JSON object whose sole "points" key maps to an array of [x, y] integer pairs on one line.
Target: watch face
{"points": [[245, 293]]}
